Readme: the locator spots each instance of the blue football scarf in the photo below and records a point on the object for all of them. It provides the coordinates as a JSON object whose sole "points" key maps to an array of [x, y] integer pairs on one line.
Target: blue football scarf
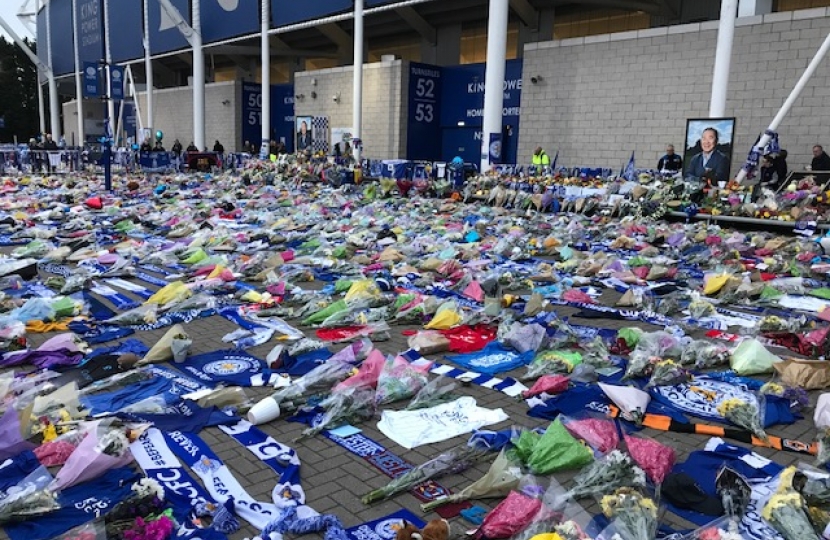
{"points": [[232, 314], [156, 269], [79, 504], [182, 492], [590, 397], [180, 384], [508, 386], [233, 367], [138, 290], [218, 479], [385, 528], [299, 365], [117, 299], [57, 269], [7, 240], [704, 465], [169, 319], [152, 280], [702, 397], [282, 459], [494, 358], [99, 334]]}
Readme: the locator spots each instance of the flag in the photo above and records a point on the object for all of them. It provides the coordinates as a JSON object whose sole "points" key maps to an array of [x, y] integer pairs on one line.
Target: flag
{"points": [[628, 171], [555, 159]]}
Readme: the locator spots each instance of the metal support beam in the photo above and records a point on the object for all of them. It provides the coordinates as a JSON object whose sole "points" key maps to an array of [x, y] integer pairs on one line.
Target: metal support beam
{"points": [[337, 35], [419, 24], [194, 37], [526, 12], [648, 6], [242, 50]]}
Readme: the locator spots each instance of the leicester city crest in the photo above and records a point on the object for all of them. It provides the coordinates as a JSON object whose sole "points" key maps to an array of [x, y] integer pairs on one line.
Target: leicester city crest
{"points": [[233, 365]]}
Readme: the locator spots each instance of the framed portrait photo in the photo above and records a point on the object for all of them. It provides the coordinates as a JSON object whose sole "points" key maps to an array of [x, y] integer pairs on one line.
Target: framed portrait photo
{"points": [[708, 148], [304, 138]]}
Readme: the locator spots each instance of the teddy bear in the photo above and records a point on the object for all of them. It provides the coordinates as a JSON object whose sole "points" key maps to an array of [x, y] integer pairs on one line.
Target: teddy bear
{"points": [[437, 529]]}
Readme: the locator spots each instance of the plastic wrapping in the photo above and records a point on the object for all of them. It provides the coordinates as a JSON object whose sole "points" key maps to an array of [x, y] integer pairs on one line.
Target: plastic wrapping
{"points": [[162, 351], [750, 357], [437, 391], [429, 342], [511, 515], [654, 458], [398, 380], [146, 314], [557, 450], [600, 433], [102, 449], [633, 515], [29, 498], [526, 338], [705, 354]]}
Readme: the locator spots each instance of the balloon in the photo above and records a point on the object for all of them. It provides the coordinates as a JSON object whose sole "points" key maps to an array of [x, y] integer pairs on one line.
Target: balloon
{"points": [[159, 135]]}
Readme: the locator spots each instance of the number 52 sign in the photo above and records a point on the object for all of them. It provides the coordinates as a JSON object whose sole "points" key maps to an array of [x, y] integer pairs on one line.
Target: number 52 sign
{"points": [[424, 134]]}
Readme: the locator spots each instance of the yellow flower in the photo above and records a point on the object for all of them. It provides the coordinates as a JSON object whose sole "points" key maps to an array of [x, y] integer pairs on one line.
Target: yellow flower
{"points": [[728, 405], [50, 433], [667, 363], [772, 388], [779, 501]]}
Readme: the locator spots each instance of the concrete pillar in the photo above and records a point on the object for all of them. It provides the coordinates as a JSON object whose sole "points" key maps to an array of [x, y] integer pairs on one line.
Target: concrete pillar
{"points": [[447, 49], [530, 35], [750, 8], [723, 58], [494, 75]]}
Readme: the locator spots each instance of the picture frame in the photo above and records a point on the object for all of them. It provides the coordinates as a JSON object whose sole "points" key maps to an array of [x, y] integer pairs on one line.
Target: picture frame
{"points": [[708, 147], [303, 134]]}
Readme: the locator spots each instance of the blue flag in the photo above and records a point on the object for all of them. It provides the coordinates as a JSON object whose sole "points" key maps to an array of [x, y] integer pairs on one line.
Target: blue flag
{"points": [[628, 171], [555, 159]]}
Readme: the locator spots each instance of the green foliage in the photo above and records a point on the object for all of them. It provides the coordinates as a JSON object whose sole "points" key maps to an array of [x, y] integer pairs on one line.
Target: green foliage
{"points": [[18, 93]]}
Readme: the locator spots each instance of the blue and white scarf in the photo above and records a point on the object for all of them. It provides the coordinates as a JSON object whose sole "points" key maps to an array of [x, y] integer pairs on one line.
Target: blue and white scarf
{"points": [[220, 482], [119, 300], [137, 290], [182, 491]]}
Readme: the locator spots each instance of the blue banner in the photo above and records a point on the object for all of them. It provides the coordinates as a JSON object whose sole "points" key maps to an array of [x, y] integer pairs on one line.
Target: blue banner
{"points": [[91, 85], [63, 57], [252, 113], [117, 83], [285, 13], [223, 19], [462, 96], [151, 161], [423, 140], [89, 23], [164, 35], [385, 528], [282, 114], [126, 24], [43, 41], [130, 122]]}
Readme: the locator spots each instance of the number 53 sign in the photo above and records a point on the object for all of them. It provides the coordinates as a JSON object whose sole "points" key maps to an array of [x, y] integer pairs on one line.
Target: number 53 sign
{"points": [[424, 132]]}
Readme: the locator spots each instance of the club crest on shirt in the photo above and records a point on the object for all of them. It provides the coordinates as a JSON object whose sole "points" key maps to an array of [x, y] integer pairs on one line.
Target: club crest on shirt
{"points": [[233, 365]]}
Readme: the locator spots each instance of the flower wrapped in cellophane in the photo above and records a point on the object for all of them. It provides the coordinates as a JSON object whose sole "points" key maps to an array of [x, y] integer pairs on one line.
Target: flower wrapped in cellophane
{"points": [[668, 373], [104, 448], [787, 512], [30, 498], [743, 413], [615, 470], [633, 515]]}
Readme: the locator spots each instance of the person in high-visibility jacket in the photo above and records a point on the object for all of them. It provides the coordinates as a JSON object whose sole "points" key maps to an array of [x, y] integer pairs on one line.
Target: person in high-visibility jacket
{"points": [[541, 158]]}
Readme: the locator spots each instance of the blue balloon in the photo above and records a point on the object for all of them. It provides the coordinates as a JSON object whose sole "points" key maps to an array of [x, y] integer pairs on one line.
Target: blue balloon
{"points": [[159, 135]]}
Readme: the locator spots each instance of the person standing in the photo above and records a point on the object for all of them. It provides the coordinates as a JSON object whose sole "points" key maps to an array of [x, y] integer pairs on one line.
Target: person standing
{"points": [[218, 148], [540, 158], [671, 162], [177, 148], [821, 161]]}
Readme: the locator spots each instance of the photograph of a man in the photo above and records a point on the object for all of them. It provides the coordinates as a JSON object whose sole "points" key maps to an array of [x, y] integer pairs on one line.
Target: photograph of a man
{"points": [[709, 148]]}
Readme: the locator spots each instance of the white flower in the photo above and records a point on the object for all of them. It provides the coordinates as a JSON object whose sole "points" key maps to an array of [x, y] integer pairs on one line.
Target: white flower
{"points": [[147, 487]]}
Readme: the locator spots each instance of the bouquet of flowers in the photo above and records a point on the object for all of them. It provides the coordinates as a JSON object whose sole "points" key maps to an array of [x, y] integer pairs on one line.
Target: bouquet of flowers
{"points": [[569, 530], [94, 530], [721, 529], [552, 362], [704, 354], [103, 448], [641, 365], [668, 373], [797, 396], [787, 512], [435, 392], [615, 470], [147, 500], [452, 462], [600, 434], [653, 457], [152, 529], [634, 515], [351, 405], [31, 497], [744, 414]]}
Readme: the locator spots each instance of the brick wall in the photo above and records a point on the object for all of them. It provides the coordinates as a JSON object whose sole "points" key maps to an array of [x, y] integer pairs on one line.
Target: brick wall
{"points": [[604, 96], [384, 107], [174, 114]]}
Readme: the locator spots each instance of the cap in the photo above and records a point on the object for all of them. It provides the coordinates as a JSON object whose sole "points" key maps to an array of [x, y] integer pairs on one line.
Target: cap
{"points": [[681, 490]]}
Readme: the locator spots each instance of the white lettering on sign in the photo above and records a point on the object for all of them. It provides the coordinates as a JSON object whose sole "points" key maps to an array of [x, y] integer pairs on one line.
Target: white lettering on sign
{"points": [[90, 27], [478, 87], [506, 111]]}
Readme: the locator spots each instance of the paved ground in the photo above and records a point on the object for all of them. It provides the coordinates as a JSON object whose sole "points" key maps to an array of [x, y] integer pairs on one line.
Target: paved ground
{"points": [[334, 480]]}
